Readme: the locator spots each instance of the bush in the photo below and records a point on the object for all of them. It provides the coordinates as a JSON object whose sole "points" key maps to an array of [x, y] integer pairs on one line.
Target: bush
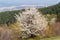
{"points": [[31, 22]]}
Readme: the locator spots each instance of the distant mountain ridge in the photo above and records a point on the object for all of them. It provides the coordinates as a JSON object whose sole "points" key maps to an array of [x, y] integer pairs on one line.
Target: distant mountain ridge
{"points": [[19, 7]]}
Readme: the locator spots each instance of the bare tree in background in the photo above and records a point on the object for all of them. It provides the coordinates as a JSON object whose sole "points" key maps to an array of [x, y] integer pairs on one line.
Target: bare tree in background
{"points": [[31, 23]]}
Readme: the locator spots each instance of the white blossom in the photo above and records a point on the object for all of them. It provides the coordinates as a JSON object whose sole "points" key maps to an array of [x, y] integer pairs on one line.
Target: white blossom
{"points": [[31, 22]]}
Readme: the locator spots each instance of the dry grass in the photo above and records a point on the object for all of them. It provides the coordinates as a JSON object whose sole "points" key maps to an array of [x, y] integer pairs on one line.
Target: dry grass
{"points": [[9, 32], [5, 33]]}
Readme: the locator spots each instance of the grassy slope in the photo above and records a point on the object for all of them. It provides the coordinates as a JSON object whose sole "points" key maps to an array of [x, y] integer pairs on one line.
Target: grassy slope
{"points": [[52, 38]]}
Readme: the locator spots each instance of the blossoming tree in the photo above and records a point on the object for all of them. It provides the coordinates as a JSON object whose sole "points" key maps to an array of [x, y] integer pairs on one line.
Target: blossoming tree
{"points": [[31, 22]]}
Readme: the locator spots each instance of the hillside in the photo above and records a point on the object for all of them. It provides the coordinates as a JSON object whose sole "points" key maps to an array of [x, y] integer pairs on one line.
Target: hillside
{"points": [[55, 9], [8, 16]]}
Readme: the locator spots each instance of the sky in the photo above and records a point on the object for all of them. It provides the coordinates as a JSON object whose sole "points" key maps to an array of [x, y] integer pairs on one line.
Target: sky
{"points": [[27, 2]]}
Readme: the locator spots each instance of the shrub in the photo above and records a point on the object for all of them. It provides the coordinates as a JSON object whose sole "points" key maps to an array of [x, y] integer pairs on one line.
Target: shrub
{"points": [[32, 23]]}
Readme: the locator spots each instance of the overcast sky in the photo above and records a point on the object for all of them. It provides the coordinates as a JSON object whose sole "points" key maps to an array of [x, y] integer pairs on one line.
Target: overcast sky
{"points": [[27, 2]]}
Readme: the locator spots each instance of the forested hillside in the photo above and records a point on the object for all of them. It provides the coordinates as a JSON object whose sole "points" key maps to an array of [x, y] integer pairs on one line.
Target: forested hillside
{"points": [[55, 9], [8, 16]]}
